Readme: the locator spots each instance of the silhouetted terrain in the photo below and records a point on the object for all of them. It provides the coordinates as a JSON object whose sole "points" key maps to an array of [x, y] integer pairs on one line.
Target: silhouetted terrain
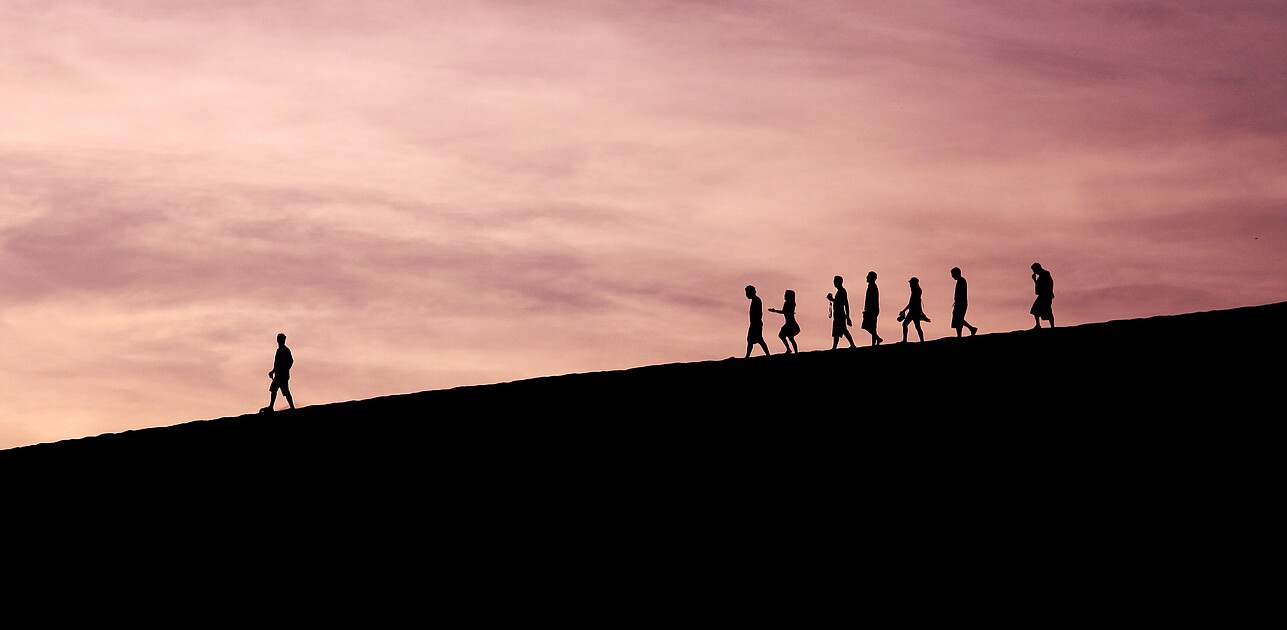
{"points": [[1104, 390], [1053, 474]]}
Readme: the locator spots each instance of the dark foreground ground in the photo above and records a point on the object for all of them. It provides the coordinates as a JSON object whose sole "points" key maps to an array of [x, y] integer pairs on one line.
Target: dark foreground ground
{"points": [[1120, 388], [1027, 467]]}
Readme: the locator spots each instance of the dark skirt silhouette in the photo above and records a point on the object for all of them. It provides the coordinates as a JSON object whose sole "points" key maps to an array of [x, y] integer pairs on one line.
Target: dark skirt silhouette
{"points": [[1043, 307], [915, 309], [869, 321]]}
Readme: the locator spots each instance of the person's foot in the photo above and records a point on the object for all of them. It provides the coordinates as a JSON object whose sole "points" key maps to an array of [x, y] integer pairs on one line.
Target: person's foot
{"points": [[265, 410], [1035, 328], [973, 329]]}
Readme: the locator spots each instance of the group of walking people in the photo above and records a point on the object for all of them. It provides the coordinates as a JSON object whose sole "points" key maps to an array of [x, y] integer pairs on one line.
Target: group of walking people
{"points": [[911, 315]]}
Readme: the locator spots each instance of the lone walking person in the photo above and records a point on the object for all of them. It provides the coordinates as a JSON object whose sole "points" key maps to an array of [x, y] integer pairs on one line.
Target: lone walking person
{"points": [[959, 302], [1043, 306], [280, 374]]}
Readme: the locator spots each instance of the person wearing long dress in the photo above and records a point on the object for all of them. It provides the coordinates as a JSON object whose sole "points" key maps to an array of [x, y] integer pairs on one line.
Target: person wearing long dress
{"points": [[871, 309], [1043, 306]]}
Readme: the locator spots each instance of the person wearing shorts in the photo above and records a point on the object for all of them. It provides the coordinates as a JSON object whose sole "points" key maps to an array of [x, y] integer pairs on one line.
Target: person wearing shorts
{"points": [[282, 363]]}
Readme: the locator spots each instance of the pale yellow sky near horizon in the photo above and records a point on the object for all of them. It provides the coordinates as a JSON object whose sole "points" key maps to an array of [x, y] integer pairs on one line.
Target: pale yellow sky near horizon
{"points": [[423, 195]]}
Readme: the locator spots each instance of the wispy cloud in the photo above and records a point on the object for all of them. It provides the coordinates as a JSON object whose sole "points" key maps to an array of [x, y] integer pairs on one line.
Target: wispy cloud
{"points": [[425, 195]]}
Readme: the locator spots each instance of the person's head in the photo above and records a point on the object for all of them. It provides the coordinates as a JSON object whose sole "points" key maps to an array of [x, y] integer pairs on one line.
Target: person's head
{"points": [[750, 291], [914, 281], [956, 272], [837, 281], [281, 338], [871, 276], [1036, 267], [789, 295]]}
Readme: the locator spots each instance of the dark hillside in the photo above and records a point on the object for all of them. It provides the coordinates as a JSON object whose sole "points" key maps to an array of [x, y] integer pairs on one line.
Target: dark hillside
{"points": [[1030, 475], [1128, 390]]}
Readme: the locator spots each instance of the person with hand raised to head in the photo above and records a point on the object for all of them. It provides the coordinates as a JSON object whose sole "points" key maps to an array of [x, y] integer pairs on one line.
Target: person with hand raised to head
{"points": [[1043, 306]]}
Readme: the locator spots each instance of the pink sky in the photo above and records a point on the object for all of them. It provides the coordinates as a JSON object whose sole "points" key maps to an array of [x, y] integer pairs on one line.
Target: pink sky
{"points": [[423, 195]]}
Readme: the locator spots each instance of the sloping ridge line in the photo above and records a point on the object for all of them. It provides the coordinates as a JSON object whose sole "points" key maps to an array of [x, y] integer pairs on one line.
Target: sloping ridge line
{"points": [[1087, 386]]}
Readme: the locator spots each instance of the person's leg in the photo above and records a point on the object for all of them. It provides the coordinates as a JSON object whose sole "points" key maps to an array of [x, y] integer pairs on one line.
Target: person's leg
{"points": [[958, 330], [795, 347], [783, 337], [835, 341], [905, 322], [286, 392], [919, 333], [850, 339], [1036, 322], [749, 345]]}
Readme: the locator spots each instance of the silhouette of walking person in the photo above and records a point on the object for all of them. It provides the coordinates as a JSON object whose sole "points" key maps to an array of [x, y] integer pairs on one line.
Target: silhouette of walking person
{"points": [[280, 374], [959, 303], [840, 319], [871, 308], [790, 327], [1043, 306], [755, 334], [914, 312]]}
